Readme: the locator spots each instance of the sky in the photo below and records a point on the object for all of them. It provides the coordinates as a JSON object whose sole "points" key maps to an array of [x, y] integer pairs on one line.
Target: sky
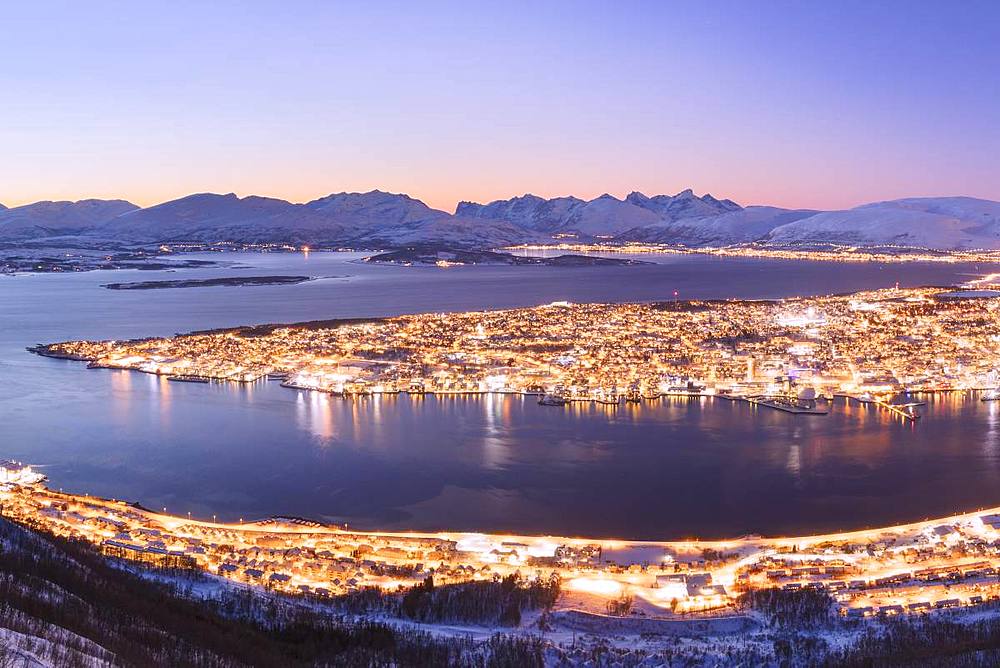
{"points": [[801, 104]]}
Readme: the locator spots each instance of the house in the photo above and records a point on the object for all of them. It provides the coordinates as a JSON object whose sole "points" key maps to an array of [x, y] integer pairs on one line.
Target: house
{"points": [[858, 613], [683, 585]]}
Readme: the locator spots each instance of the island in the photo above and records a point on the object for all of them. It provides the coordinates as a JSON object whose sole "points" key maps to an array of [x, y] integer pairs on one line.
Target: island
{"points": [[800, 356], [235, 281]]}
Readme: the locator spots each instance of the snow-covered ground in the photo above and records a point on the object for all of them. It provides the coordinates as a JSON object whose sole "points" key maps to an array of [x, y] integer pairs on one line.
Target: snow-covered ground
{"points": [[384, 219]]}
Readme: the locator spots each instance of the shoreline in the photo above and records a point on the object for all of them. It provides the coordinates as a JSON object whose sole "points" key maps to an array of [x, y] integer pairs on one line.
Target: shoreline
{"points": [[880, 571], [297, 524], [766, 401], [834, 253]]}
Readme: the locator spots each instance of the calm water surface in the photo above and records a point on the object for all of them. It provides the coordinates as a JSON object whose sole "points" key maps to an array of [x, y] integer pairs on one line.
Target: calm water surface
{"points": [[663, 469]]}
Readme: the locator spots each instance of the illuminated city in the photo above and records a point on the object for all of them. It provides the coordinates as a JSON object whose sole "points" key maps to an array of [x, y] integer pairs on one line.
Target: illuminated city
{"points": [[827, 252], [915, 568], [500, 335], [793, 355]]}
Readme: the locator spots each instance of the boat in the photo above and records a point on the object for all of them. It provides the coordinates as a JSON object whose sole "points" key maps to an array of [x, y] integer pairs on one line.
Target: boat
{"points": [[991, 395], [188, 379], [552, 400], [16, 473]]}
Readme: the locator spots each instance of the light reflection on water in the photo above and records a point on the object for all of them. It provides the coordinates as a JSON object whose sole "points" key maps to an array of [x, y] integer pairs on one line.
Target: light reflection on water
{"points": [[668, 468]]}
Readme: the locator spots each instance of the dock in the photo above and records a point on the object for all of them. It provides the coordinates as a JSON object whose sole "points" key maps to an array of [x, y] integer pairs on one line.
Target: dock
{"points": [[785, 405]]}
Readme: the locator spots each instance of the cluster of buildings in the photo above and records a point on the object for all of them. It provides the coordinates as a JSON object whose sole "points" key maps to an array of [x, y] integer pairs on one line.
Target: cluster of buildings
{"points": [[913, 568], [826, 252], [875, 342]]}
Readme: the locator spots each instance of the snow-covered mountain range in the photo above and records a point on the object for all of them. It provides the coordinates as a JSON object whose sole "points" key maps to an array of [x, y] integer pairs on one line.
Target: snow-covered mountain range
{"points": [[43, 219], [381, 219]]}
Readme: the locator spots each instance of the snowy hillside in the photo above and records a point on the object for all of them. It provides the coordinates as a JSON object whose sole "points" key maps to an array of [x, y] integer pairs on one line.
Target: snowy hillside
{"points": [[371, 211], [452, 231], [931, 222], [528, 211], [684, 204], [737, 226], [43, 219], [379, 219], [599, 217], [211, 217], [342, 218], [603, 216]]}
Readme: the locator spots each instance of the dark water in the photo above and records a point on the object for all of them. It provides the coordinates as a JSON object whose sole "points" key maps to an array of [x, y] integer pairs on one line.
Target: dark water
{"points": [[663, 469]]}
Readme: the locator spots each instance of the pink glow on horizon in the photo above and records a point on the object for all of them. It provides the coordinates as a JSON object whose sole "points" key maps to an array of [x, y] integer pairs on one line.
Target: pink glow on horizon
{"points": [[800, 105]]}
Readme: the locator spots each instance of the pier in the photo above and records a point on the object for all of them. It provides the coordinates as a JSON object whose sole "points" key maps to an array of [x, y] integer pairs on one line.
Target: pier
{"points": [[786, 405], [907, 411]]}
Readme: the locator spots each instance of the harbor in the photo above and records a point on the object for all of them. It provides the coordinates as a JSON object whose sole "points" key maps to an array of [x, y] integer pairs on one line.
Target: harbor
{"points": [[785, 355]]}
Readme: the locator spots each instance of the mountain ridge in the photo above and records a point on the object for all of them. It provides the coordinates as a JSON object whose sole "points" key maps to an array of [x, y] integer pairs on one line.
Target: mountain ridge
{"points": [[379, 219]]}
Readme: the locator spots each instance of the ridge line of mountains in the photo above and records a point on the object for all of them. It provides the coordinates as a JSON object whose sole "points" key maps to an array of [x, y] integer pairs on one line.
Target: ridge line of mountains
{"points": [[379, 219]]}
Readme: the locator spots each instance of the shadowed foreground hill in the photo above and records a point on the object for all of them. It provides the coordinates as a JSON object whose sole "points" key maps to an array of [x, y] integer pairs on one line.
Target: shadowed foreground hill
{"points": [[63, 604]]}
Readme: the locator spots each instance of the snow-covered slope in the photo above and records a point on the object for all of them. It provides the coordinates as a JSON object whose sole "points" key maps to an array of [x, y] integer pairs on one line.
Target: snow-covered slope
{"points": [[342, 218], [452, 231], [684, 204], [528, 211], [381, 219], [213, 217], [607, 216], [372, 211], [604, 216], [600, 217], [736, 226], [930, 222], [44, 219]]}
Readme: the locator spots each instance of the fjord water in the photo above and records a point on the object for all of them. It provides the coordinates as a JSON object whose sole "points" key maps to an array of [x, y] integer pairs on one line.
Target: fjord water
{"points": [[662, 469]]}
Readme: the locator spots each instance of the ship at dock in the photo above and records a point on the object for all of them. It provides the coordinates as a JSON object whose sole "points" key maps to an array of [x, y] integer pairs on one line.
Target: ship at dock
{"points": [[18, 473]]}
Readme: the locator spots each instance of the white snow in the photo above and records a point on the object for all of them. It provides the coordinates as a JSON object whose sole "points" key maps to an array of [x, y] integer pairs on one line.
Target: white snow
{"points": [[384, 219]]}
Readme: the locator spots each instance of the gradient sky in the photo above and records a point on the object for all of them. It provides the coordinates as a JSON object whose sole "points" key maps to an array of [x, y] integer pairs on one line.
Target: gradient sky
{"points": [[811, 104]]}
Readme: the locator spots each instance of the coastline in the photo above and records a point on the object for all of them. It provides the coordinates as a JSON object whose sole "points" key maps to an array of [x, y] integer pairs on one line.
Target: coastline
{"points": [[855, 568]]}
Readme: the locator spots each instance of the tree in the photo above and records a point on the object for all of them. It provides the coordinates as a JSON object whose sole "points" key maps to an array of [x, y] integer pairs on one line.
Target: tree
{"points": [[620, 607]]}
